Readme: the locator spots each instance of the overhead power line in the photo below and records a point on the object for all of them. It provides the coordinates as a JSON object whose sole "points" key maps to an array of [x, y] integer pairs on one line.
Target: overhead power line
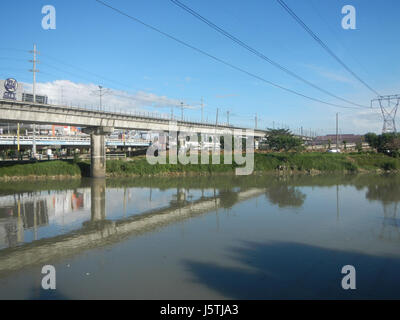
{"points": [[86, 71], [323, 45], [220, 60], [258, 53]]}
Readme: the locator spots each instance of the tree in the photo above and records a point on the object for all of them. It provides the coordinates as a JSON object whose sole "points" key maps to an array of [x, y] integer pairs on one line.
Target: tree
{"points": [[388, 143], [359, 146], [283, 139], [372, 140]]}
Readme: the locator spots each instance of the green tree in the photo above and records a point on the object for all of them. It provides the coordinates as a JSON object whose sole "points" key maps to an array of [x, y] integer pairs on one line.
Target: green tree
{"points": [[283, 139], [359, 146], [388, 143], [372, 139]]}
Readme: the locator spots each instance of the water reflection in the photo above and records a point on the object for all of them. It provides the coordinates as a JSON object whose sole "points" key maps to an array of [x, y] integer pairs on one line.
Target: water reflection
{"points": [[283, 194], [42, 222], [388, 194], [98, 204], [24, 213], [287, 270]]}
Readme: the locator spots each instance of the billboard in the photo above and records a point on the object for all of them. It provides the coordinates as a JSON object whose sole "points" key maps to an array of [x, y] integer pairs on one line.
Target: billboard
{"points": [[10, 89]]}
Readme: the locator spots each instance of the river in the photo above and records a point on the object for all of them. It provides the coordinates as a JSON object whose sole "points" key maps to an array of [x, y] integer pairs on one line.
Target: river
{"points": [[224, 237]]}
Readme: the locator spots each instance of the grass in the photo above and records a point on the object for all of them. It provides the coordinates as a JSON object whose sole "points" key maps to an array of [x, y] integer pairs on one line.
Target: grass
{"points": [[304, 162], [140, 166], [270, 162], [46, 168]]}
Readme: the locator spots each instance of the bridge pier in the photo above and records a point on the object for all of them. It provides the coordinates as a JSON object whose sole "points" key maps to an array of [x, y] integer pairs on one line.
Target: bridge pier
{"points": [[97, 156], [98, 150]]}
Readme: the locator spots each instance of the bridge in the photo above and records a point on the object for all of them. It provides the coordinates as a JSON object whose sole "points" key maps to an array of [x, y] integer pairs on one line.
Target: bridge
{"points": [[101, 123]]}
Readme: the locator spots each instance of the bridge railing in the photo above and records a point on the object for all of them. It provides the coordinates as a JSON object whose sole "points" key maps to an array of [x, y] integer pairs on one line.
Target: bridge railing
{"points": [[74, 139], [109, 156]]}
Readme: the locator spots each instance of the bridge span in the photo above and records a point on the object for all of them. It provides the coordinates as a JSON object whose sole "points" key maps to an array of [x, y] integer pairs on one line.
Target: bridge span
{"points": [[101, 123]]}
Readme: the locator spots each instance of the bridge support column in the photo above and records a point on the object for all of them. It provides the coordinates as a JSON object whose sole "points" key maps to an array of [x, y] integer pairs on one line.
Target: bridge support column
{"points": [[98, 150], [97, 156]]}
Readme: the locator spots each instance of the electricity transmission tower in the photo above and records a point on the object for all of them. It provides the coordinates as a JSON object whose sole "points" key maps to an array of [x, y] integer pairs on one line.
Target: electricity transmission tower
{"points": [[388, 105]]}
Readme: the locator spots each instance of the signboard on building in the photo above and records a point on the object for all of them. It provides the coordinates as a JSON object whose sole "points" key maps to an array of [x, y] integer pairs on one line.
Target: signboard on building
{"points": [[28, 97], [10, 89], [10, 86]]}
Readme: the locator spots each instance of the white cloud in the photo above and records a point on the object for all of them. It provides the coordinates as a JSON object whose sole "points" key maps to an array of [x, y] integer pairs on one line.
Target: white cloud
{"points": [[363, 121], [80, 94]]}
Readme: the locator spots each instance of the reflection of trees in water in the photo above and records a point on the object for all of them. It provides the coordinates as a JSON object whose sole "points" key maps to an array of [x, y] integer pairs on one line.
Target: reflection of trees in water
{"points": [[285, 195], [228, 198], [386, 189], [390, 225]]}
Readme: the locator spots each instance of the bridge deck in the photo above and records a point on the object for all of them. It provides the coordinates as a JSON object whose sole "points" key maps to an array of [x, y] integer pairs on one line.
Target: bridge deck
{"points": [[24, 112]]}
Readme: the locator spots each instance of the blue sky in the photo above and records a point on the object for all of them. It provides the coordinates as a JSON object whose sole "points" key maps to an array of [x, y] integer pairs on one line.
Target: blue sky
{"points": [[135, 61]]}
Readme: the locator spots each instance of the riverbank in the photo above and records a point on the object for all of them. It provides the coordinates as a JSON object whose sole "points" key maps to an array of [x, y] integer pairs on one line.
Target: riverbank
{"points": [[40, 170], [287, 163]]}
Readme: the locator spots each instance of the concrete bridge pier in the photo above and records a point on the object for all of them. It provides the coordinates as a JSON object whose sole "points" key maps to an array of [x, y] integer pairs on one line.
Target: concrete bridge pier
{"points": [[98, 150]]}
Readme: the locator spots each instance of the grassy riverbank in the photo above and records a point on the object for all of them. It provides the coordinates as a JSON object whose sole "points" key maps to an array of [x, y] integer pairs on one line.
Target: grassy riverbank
{"points": [[271, 162], [45, 169]]}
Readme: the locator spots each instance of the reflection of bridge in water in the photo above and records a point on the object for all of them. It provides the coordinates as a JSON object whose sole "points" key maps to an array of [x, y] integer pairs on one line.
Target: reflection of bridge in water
{"points": [[95, 225], [99, 231]]}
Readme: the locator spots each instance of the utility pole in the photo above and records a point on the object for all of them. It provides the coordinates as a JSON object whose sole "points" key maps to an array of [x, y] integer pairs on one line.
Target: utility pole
{"points": [[227, 117], [172, 113], [101, 93], [255, 127], [181, 111], [202, 108], [18, 137], [100, 87], [216, 119], [34, 70], [62, 95], [337, 131]]}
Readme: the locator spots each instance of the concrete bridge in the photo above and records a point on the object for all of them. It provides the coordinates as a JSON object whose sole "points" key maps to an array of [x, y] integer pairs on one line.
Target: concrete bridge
{"points": [[101, 123]]}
